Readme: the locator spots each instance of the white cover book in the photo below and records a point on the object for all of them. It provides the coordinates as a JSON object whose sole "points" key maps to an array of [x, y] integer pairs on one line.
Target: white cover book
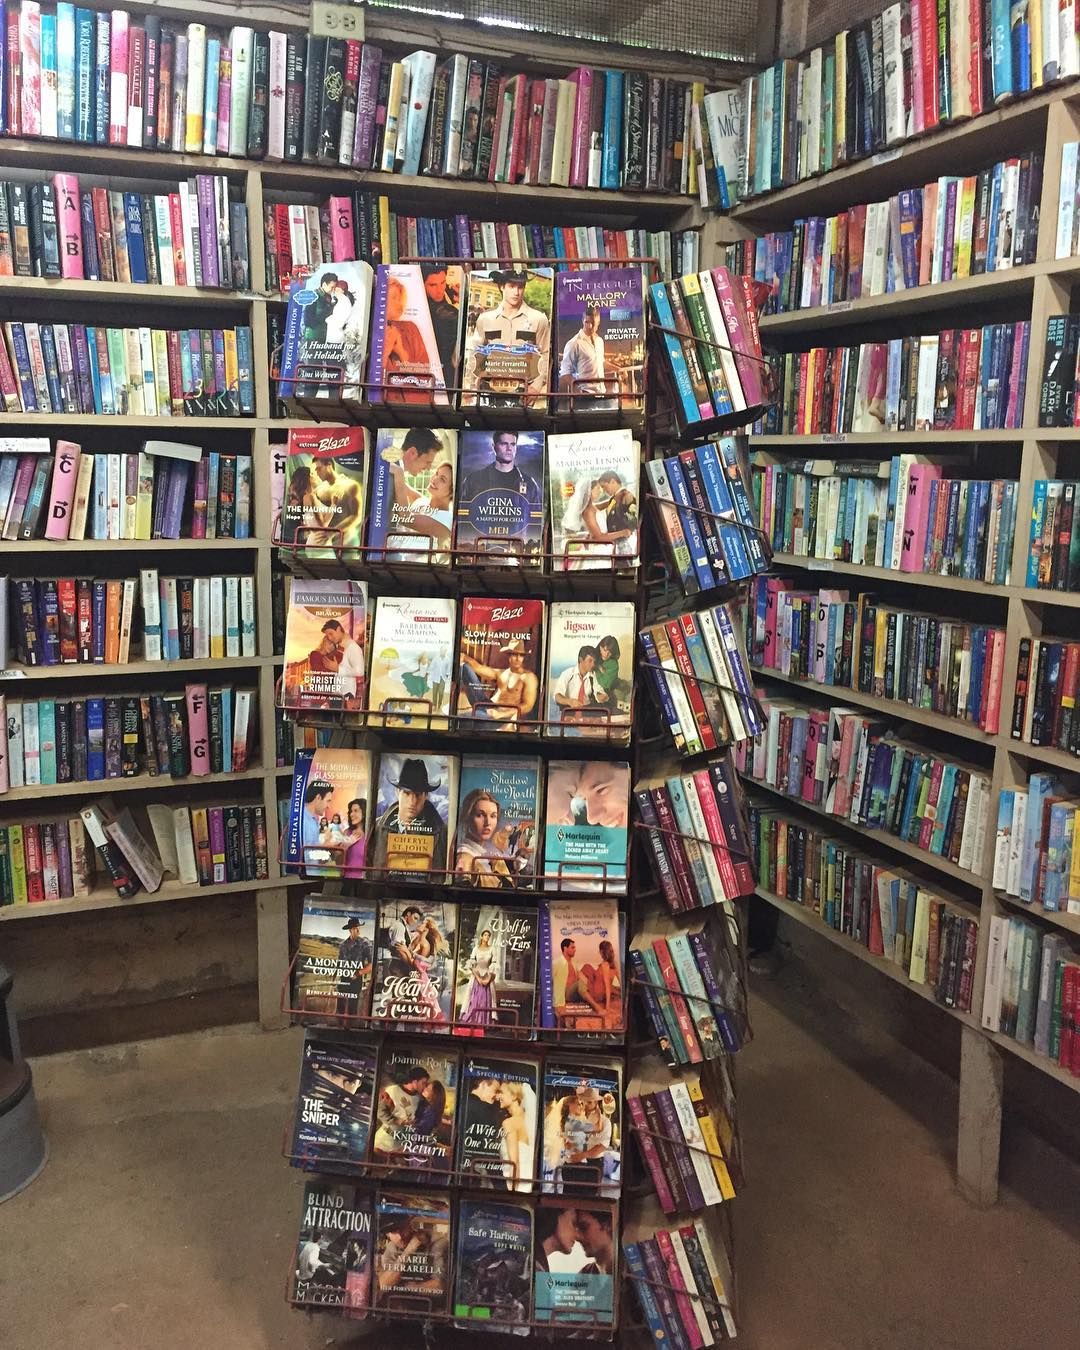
{"points": [[161, 824], [401, 140], [723, 341], [960, 58], [927, 382], [127, 837], [1002, 841], [895, 114], [455, 114], [1066, 200], [1010, 189], [217, 618], [14, 735], [1067, 54], [188, 208], [966, 858], [298, 235], [240, 40], [187, 868], [196, 88], [812, 90], [1016, 842], [149, 388], [995, 970], [275, 146], [564, 134], [151, 608], [163, 236], [113, 498], [247, 616], [682, 1261], [1051, 36], [127, 610], [763, 164], [31, 746], [422, 73], [232, 617]]}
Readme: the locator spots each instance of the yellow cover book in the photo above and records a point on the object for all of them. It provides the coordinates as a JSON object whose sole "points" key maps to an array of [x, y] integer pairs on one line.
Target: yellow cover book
{"points": [[159, 346], [840, 99], [113, 594], [385, 237], [712, 1139], [232, 371], [133, 378], [200, 837], [17, 859], [1074, 868], [966, 225], [1035, 18], [697, 94], [144, 500]]}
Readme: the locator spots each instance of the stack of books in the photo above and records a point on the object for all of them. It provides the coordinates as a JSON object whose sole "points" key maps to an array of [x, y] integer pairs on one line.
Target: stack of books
{"points": [[696, 835], [679, 1284], [86, 739], [1044, 700], [194, 236], [136, 372], [1058, 405], [897, 74], [887, 651], [844, 763], [964, 379], [901, 513], [1054, 539], [1032, 991], [887, 911], [1035, 858], [949, 229]]}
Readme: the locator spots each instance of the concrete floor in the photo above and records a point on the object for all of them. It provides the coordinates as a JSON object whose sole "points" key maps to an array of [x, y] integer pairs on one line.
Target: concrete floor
{"points": [[165, 1217]]}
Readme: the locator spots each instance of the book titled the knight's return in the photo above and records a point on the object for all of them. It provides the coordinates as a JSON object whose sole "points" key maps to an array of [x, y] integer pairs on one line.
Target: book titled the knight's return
{"points": [[328, 812], [412, 1252], [325, 646], [334, 1104], [599, 339], [325, 343], [493, 1288], [333, 1252], [498, 1117], [332, 971], [415, 1110]]}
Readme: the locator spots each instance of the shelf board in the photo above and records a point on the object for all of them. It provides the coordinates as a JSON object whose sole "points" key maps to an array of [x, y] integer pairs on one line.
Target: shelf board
{"points": [[169, 890], [1043, 754], [123, 292], [163, 425], [903, 711], [1069, 923], [1041, 1062], [1063, 599], [872, 837], [130, 545], [879, 963], [1050, 435], [140, 783], [887, 438], [888, 574], [74, 669]]}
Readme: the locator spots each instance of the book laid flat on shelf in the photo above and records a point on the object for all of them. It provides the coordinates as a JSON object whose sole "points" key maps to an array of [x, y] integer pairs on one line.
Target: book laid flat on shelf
{"points": [[411, 661], [500, 498], [500, 658], [600, 339], [507, 345], [334, 1104], [412, 1252], [496, 843], [332, 971], [333, 1252], [581, 977], [414, 962], [325, 487], [325, 639], [326, 333], [495, 984], [416, 327], [581, 1150], [590, 676], [412, 495], [414, 1113], [574, 1262], [499, 1118], [415, 803], [585, 825], [328, 812], [593, 478], [494, 1266]]}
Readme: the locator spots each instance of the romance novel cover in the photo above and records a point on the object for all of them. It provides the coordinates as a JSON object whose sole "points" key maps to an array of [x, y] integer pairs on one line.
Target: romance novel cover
{"points": [[581, 978], [496, 970], [333, 1252], [600, 339], [414, 806], [590, 674], [326, 334], [332, 974], [325, 488], [415, 332], [500, 510], [412, 1252], [500, 658], [574, 1262], [411, 661], [414, 1114], [587, 804], [496, 840], [414, 476], [499, 1113], [507, 338], [334, 1104], [593, 478], [493, 1288], [414, 967], [328, 812], [581, 1152], [325, 646]]}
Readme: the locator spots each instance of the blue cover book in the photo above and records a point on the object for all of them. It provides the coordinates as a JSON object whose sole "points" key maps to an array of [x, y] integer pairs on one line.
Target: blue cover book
{"points": [[102, 73], [610, 175], [494, 1266], [135, 245], [84, 78], [334, 1105], [64, 59]]}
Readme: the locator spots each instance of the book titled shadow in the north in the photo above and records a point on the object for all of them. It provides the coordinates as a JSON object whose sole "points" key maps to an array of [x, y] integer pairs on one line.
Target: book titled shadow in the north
{"points": [[412, 1252], [587, 807], [333, 1253], [328, 812], [415, 1110], [493, 1287], [326, 333], [574, 1263], [498, 1122], [332, 972], [334, 1104], [500, 499], [600, 339]]}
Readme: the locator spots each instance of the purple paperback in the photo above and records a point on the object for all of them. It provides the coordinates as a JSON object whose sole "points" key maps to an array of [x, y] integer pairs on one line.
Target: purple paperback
{"points": [[600, 339]]}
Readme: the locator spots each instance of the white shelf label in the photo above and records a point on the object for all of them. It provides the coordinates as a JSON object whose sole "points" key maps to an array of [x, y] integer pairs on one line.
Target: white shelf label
{"points": [[336, 21], [12, 674]]}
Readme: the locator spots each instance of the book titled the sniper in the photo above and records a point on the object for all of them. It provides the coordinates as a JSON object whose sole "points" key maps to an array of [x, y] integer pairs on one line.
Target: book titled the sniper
{"points": [[334, 1104]]}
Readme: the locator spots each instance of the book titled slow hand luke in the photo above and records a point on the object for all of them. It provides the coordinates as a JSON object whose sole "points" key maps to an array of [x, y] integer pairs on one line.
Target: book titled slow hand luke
{"points": [[412, 1252], [332, 974], [414, 1113], [325, 646], [328, 812], [500, 654], [600, 339], [324, 490], [333, 1253], [334, 1104], [414, 966], [326, 333], [494, 1266]]}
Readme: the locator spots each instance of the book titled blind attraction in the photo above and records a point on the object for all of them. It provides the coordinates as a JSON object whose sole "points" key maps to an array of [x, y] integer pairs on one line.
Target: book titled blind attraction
{"points": [[593, 477], [414, 967], [411, 661], [414, 1112], [498, 1122], [581, 984], [414, 473], [412, 1252], [507, 344], [333, 1252], [325, 646], [325, 487], [495, 844], [334, 1104], [581, 1150], [493, 1288], [332, 973], [414, 803], [495, 984], [500, 656], [328, 812], [586, 810], [415, 333], [574, 1263], [326, 334], [500, 497], [590, 676], [600, 339]]}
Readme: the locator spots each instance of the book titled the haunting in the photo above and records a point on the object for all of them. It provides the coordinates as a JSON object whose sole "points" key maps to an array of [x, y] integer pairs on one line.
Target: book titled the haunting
{"points": [[414, 808], [586, 811], [333, 1252], [496, 839], [498, 1118], [325, 646], [581, 984], [507, 344], [414, 963], [600, 339], [332, 972], [334, 1104], [325, 488], [415, 333], [414, 1113], [412, 1252], [500, 657], [574, 1256], [581, 1148], [590, 675], [500, 497], [410, 670], [324, 351], [413, 477], [593, 478], [328, 812], [493, 1288]]}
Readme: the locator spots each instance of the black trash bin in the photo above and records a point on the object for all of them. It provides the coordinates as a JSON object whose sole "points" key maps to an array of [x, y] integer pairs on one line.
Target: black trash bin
{"points": [[22, 1144]]}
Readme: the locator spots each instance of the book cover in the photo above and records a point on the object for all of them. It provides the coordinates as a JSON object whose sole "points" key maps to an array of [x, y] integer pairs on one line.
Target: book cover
{"points": [[581, 985], [600, 339], [412, 495], [500, 654], [328, 812], [498, 1127], [325, 482], [493, 1287], [414, 961], [590, 668], [324, 350], [497, 816], [414, 805], [415, 333], [495, 982], [586, 808], [500, 500], [411, 661], [574, 1263], [507, 338], [333, 1252], [593, 477], [332, 971], [334, 1104], [325, 646], [412, 1252], [415, 1112], [581, 1150]]}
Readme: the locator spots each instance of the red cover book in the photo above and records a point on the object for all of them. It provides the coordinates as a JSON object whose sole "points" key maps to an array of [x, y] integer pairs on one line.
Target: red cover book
{"points": [[12, 75], [519, 129], [875, 943], [994, 666], [800, 407], [1066, 689], [824, 357], [856, 239], [975, 55], [99, 198], [284, 246], [691, 687], [176, 229], [673, 846], [967, 378], [1066, 1048], [69, 621], [30, 71], [931, 115], [35, 881], [740, 320], [678, 1002], [537, 90], [714, 827], [579, 149], [176, 371]]}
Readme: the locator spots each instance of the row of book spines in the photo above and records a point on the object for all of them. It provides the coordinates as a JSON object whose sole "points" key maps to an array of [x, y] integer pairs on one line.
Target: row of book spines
{"points": [[679, 1287], [1058, 404], [982, 371], [288, 738], [194, 236], [1044, 699], [79, 620], [933, 942], [696, 836], [1035, 854], [669, 1125], [1054, 539], [80, 368], [124, 496], [944, 526], [82, 740], [677, 979], [698, 673], [1032, 990]]}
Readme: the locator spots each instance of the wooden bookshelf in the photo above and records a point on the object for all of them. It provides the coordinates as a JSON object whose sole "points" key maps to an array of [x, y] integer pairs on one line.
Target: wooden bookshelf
{"points": [[1033, 292]]}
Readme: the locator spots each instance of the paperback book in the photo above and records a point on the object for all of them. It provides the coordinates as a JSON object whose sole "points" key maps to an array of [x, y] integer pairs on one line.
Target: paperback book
{"points": [[326, 334], [411, 661], [334, 1105], [590, 674], [333, 1253], [500, 499], [585, 825], [495, 844], [332, 972], [414, 1113], [325, 646], [581, 981], [499, 1115], [414, 966], [507, 343], [412, 1252], [328, 812], [415, 333], [600, 339], [574, 1263], [496, 970], [414, 474], [414, 806], [500, 656], [581, 1151], [494, 1266], [593, 477], [325, 488]]}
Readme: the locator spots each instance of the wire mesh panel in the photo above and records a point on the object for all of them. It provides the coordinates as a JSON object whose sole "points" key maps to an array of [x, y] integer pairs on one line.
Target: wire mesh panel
{"points": [[723, 29]]}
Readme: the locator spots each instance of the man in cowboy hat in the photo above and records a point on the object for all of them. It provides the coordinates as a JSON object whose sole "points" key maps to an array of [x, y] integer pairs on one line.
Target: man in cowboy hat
{"points": [[512, 324], [514, 696], [354, 967], [410, 835]]}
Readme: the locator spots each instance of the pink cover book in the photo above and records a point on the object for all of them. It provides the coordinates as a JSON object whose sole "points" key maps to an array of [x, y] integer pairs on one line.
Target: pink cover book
{"points": [[920, 476], [224, 100], [69, 221], [714, 828], [739, 335], [118, 82], [65, 472], [992, 718], [4, 784], [926, 826], [30, 62], [342, 241], [693, 1335], [198, 728], [813, 735], [773, 587], [216, 823], [24, 475], [579, 151]]}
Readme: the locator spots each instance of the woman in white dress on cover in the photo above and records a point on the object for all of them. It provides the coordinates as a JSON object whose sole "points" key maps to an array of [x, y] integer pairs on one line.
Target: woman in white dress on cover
{"points": [[518, 1134]]}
